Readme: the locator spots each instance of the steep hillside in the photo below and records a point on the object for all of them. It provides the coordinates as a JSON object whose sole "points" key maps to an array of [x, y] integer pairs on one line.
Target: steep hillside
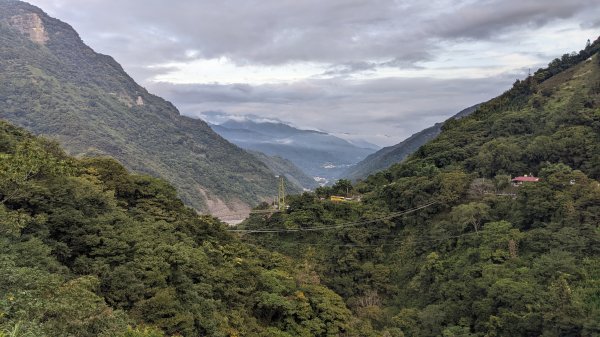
{"points": [[390, 155], [292, 173], [88, 250], [53, 84], [318, 154], [443, 244]]}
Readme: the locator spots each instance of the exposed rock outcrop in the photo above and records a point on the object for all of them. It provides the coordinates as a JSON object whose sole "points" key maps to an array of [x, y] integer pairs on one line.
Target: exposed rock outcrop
{"points": [[31, 25]]}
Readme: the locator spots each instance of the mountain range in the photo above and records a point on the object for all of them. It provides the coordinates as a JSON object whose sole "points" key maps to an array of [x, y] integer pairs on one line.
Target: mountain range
{"points": [[318, 154], [54, 85], [438, 244], [390, 155]]}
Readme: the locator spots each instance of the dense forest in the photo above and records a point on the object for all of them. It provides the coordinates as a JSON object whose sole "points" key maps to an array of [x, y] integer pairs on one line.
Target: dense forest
{"points": [[444, 244], [88, 249], [439, 245]]}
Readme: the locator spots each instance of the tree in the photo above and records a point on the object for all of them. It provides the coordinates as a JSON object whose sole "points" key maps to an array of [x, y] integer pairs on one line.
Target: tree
{"points": [[480, 187], [472, 214], [343, 187], [142, 332], [501, 182]]}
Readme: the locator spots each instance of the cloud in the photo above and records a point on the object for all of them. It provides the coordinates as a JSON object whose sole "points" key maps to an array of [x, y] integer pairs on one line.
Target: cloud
{"points": [[337, 32], [396, 107], [349, 68], [486, 19], [219, 117], [382, 69]]}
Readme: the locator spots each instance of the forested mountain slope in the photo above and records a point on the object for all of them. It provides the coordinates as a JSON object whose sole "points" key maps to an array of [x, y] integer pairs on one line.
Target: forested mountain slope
{"points": [[87, 249], [286, 168], [53, 84], [316, 153], [444, 245], [390, 155]]}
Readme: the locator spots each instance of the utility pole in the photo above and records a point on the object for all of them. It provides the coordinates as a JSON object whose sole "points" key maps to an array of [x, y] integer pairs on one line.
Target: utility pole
{"points": [[281, 194]]}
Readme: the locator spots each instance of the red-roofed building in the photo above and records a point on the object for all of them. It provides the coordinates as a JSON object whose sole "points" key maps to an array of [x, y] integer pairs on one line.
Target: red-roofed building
{"points": [[517, 181]]}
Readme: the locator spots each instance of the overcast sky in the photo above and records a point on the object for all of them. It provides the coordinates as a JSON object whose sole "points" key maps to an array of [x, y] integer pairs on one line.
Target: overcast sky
{"points": [[379, 70]]}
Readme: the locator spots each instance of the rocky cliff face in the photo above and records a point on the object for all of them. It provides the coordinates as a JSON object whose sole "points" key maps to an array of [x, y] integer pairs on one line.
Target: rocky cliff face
{"points": [[31, 25]]}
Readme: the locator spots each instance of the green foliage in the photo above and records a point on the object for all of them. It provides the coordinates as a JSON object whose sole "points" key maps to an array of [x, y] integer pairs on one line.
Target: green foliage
{"points": [[388, 156], [142, 332], [86, 249], [342, 187], [90, 105], [440, 245], [488, 258]]}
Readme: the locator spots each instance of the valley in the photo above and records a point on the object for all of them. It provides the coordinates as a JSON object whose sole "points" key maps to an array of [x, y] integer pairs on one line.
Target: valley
{"points": [[319, 155], [122, 217]]}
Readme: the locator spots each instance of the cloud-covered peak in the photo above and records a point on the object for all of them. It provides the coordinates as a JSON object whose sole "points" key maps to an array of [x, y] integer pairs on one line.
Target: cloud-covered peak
{"points": [[219, 117]]}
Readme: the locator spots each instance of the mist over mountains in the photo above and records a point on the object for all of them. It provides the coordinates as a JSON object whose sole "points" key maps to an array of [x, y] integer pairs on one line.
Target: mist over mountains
{"points": [[320, 155]]}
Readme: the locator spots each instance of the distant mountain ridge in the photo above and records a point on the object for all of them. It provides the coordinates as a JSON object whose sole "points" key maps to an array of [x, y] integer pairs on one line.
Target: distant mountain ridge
{"points": [[390, 155], [55, 85], [316, 153]]}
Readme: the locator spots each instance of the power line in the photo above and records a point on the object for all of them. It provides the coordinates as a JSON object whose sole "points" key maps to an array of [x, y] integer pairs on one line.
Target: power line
{"points": [[338, 226], [424, 240], [352, 245]]}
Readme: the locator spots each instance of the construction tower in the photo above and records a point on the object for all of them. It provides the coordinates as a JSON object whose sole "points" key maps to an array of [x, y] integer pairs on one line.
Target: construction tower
{"points": [[281, 194]]}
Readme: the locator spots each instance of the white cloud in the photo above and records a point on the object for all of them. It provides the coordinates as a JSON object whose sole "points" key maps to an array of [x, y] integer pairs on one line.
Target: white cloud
{"points": [[383, 69], [224, 71]]}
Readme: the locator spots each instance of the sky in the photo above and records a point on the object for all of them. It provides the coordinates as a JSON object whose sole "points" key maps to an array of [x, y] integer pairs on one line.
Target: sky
{"points": [[378, 70]]}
